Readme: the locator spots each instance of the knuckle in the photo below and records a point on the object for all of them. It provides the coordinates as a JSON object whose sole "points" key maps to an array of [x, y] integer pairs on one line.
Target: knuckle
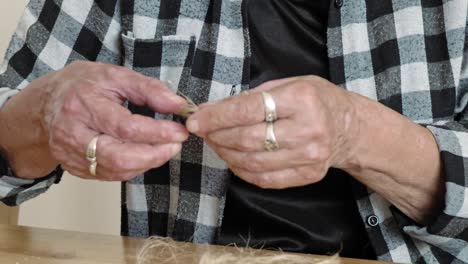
{"points": [[320, 131], [165, 134], [127, 131], [311, 153]]}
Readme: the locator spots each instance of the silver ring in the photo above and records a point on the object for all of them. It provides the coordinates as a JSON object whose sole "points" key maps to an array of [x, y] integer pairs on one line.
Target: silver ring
{"points": [[91, 155], [270, 107], [270, 139]]}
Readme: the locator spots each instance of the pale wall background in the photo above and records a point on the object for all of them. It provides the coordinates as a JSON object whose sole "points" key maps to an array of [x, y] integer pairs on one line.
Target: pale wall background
{"points": [[74, 204]]}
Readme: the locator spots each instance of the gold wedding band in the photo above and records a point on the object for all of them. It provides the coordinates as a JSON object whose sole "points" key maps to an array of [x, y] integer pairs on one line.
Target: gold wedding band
{"points": [[270, 143], [270, 107], [92, 168], [91, 155]]}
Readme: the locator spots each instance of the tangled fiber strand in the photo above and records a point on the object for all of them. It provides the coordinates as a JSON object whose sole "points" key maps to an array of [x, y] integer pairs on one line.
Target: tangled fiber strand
{"points": [[189, 108], [248, 256], [157, 250]]}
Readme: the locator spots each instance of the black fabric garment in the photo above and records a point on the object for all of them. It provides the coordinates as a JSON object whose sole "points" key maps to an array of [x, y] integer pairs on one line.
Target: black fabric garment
{"points": [[288, 39]]}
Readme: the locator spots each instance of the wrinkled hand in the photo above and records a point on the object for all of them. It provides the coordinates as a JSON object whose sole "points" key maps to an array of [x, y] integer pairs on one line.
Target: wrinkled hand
{"points": [[314, 131], [86, 99]]}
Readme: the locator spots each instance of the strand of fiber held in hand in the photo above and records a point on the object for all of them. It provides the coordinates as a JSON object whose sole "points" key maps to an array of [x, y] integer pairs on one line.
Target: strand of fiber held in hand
{"points": [[158, 250], [189, 108]]}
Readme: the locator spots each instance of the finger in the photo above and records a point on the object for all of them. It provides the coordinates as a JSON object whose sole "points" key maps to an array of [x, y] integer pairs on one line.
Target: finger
{"points": [[252, 138], [102, 174], [143, 90], [240, 110], [112, 154], [288, 178], [113, 119], [124, 156], [78, 163], [258, 162]]}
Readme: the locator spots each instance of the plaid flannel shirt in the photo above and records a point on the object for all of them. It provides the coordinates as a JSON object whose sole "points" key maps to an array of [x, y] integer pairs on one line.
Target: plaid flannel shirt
{"points": [[410, 55]]}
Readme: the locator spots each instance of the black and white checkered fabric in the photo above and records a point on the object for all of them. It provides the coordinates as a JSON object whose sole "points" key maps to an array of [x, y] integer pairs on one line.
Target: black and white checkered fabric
{"points": [[410, 55]]}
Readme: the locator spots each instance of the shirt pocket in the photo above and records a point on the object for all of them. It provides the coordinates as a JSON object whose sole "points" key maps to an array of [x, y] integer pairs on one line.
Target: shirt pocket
{"points": [[168, 58]]}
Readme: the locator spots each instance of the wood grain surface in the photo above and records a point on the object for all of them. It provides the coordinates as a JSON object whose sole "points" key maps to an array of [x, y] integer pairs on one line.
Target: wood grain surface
{"points": [[26, 245], [8, 215]]}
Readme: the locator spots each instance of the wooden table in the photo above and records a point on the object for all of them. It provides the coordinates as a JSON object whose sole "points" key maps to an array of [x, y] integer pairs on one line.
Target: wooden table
{"points": [[26, 245], [8, 215]]}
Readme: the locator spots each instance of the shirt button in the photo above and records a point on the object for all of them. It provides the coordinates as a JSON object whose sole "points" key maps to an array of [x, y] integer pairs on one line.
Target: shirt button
{"points": [[373, 220], [338, 3]]}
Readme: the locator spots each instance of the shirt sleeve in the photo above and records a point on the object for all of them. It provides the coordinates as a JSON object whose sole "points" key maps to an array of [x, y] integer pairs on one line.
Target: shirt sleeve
{"points": [[14, 190], [50, 35], [447, 237]]}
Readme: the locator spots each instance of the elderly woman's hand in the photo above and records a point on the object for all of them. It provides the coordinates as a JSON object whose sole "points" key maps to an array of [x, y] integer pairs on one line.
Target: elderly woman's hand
{"points": [[85, 99], [314, 130]]}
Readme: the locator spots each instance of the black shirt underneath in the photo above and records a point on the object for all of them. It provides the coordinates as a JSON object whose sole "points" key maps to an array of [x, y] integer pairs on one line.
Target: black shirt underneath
{"points": [[288, 38]]}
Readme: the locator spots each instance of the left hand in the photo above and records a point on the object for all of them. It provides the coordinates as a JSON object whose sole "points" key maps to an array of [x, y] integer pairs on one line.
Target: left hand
{"points": [[314, 130]]}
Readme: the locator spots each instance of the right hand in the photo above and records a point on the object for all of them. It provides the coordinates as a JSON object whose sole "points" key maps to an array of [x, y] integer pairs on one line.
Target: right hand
{"points": [[84, 100]]}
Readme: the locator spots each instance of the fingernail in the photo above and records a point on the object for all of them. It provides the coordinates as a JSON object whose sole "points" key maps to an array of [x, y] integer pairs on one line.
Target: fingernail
{"points": [[192, 126], [180, 136], [175, 148]]}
